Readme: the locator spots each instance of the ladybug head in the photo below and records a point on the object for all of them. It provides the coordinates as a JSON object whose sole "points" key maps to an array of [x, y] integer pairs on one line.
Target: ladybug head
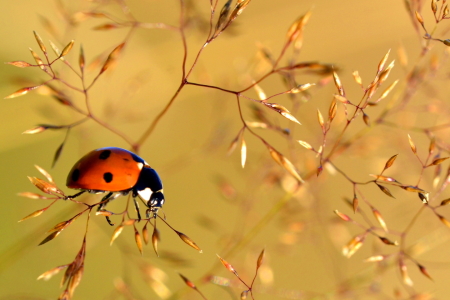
{"points": [[149, 188], [155, 203]]}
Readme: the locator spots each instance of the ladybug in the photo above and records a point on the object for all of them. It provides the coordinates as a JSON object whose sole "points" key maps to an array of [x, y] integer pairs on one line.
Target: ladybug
{"points": [[117, 172]]}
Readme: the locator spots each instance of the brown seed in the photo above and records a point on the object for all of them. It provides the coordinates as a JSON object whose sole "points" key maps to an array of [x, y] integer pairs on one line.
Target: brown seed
{"points": [[112, 57], [296, 28], [46, 187], [445, 202], [385, 74], [404, 272], [31, 195], [75, 280], [375, 258], [233, 144], [320, 118], [34, 130], [338, 84], [40, 42], [357, 78], [50, 237], [380, 219], [419, 17], [56, 50], [81, 60], [223, 16], [281, 110], [384, 178], [67, 48], [188, 241], [105, 213], [411, 188], [243, 153], [19, 64], [107, 26], [434, 6], [137, 238], [388, 241], [355, 204], [228, 266], [342, 99], [50, 273], [239, 8], [423, 197], [443, 220], [155, 239], [301, 88], [333, 109], [412, 145], [116, 233], [432, 146], [387, 91], [424, 271], [342, 216], [34, 214], [438, 161], [260, 259], [260, 92], [37, 59], [366, 119], [390, 161], [353, 246], [244, 295], [305, 144], [285, 163], [59, 227], [21, 92], [45, 173], [145, 234], [383, 61], [385, 190], [188, 282]]}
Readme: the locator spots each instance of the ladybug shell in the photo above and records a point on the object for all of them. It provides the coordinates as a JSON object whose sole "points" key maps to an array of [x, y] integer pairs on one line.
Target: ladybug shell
{"points": [[106, 169]]}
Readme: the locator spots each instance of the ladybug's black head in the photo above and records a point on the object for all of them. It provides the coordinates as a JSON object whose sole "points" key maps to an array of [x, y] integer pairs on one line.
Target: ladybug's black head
{"points": [[156, 202], [149, 188]]}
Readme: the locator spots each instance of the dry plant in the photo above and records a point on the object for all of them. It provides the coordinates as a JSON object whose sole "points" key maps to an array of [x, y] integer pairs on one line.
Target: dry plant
{"points": [[347, 121]]}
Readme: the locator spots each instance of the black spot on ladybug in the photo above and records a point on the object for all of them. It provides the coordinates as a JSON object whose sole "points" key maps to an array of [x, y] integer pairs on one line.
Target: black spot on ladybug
{"points": [[108, 177], [105, 154], [125, 159], [75, 175]]}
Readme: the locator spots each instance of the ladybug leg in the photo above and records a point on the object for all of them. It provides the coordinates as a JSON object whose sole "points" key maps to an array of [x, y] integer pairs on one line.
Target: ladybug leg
{"points": [[109, 221], [105, 200], [73, 196], [136, 206]]}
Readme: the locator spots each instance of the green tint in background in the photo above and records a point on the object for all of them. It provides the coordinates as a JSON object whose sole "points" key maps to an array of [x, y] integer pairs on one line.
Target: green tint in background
{"points": [[303, 240]]}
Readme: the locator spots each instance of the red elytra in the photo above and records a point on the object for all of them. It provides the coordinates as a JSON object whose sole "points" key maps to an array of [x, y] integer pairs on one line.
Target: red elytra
{"points": [[106, 169], [118, 172]]}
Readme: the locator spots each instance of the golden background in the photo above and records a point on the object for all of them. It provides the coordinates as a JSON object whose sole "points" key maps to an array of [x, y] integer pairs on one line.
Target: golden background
{"points": [[303, 240]]}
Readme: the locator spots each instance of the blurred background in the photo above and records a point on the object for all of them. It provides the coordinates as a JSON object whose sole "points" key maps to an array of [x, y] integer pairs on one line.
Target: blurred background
{"points": [[228, 210]]}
